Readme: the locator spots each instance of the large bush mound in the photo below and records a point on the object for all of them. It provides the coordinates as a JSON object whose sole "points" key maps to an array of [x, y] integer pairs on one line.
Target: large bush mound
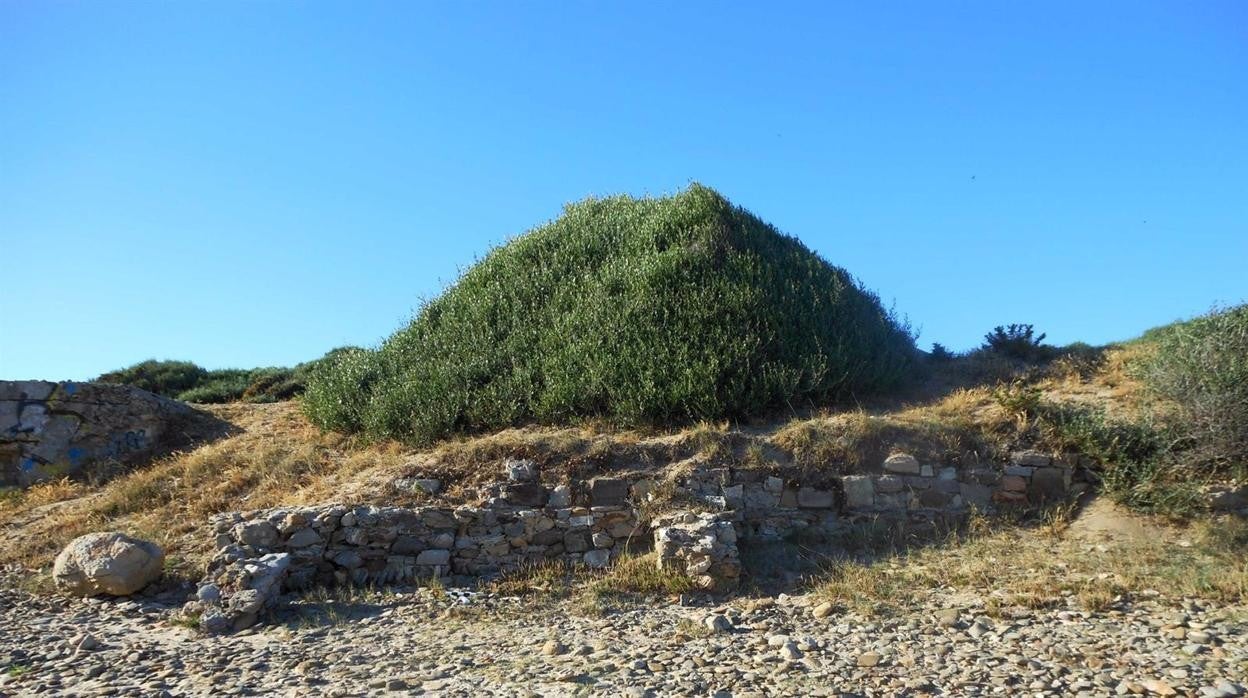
{"points": [[638, 310], [1202, 366]]}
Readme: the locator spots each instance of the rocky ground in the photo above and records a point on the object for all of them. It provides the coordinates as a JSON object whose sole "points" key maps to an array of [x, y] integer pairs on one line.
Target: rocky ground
{"points": [[425, 641]]}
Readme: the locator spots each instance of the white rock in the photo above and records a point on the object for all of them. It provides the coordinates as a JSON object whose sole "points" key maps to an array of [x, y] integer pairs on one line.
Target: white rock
{"points": [[107, 563]]}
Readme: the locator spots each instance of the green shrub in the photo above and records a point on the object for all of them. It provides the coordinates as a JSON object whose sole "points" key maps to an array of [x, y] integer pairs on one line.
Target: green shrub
{"points": [[335, 397], [1017, 342], [1202, 367], [638, 310], [167, 378], [185, 381], [940, 353], [221, 385]]}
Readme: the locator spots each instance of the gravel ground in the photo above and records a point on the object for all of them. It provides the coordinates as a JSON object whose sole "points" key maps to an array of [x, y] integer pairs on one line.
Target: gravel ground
{"points": [[422, 642]]}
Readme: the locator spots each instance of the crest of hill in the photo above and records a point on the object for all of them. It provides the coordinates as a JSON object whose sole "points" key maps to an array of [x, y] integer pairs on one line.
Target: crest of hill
{"points": [[651, 310]]}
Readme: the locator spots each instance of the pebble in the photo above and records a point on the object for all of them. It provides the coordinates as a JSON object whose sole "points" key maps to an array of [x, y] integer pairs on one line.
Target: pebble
{"points": [[496, 646]]}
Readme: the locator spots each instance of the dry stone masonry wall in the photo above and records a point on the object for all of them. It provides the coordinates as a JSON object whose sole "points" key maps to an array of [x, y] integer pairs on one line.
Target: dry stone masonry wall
{"points": [[523, 522]]}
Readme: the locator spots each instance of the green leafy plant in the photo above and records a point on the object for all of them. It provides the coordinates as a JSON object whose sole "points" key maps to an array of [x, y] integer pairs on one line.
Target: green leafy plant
{"points": [[188, 382], [1017, 342], [672, 309]]}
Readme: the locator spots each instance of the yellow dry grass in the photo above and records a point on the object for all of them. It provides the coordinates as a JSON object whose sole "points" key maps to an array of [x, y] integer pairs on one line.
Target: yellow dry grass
{"points": [[1012, 566]]}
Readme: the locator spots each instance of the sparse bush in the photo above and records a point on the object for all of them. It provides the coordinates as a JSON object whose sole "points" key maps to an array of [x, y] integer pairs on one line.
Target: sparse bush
{"points": [[1202, 367], [637, 310], [1017, 342]]}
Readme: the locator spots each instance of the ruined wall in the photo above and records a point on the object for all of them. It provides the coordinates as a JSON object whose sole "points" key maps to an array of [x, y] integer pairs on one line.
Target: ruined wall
{"points": [[49, 430], [334, 544], [771, 506], [521, 521]]}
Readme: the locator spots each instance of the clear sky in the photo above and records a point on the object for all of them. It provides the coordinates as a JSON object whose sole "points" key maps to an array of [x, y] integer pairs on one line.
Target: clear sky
{"points": [[247, 184]]}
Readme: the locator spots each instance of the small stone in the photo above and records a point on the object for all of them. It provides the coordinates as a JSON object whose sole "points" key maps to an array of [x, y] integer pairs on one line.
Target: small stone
{"points": [[1160, 687], [790, 651], [902, 464], [717, 623], [554, 648], [434, 557], [823, 610], [520, 470], [597, 559], [947, 617], [869, 659], [86, 642], [209, 593]]}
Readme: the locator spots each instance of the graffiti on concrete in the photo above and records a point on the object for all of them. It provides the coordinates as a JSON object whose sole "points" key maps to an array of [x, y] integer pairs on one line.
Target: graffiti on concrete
{"points": [[49, 430]]}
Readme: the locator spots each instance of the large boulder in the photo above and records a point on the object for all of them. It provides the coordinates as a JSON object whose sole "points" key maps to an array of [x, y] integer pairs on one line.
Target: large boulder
{"points": [[107, 563], [50, 430]]}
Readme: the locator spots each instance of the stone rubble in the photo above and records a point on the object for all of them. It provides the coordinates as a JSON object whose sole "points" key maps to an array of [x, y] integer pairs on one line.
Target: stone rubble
{"points": [[419, 641]]}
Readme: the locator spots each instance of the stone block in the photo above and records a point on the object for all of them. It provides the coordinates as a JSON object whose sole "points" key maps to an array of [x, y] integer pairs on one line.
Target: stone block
{"points": [[304, 537], [408, 545], [934, 499], [1013, 483], [1030, 458], [434, 557], [889, 484], [576, 541], [1048, 485], [811, 498], [525, 494], [902, 464], [597, 559], [859, 491], [899, 500], [788, 498], [607, 492], [977, 495], [518, 470]]}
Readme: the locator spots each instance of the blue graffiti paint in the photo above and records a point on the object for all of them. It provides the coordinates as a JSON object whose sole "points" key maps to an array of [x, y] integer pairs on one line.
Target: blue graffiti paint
{"points": [[70, 388], [28, 465], [76, 454]]}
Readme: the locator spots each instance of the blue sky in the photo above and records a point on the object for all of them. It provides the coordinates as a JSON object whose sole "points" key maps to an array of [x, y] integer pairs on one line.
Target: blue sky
{"points": [[246, 184]]}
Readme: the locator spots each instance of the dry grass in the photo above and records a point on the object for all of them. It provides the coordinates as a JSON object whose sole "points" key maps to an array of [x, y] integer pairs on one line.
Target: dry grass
{"points": [[277, 458], [1038, 568], [630, 579]]}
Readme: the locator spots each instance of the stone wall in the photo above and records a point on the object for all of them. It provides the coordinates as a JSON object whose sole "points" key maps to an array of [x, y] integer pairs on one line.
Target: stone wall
{"points": [[49, 430], [335, 544], [521, 521], [770, 505]]}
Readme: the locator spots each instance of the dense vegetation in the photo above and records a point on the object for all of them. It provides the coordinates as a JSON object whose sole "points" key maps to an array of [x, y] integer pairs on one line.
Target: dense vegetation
{"points": [[183, 380], [637, 310], [1193, 432], [1201, 367]]}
